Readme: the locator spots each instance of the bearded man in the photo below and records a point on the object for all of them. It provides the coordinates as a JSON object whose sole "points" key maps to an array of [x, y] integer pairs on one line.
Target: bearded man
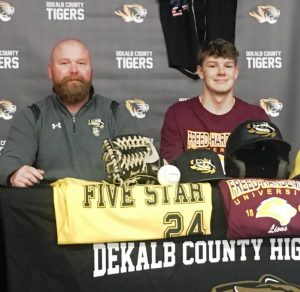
{"points": [[61, 135]]}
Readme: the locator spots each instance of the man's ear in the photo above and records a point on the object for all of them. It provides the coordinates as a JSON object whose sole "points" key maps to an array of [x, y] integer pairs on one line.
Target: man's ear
{"points": [[237, 71], [49, 71], [199, 72]]}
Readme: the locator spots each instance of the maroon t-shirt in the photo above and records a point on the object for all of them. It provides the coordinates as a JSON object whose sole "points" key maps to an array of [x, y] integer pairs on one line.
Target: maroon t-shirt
{"points": [[188, 124], [261, 208]]}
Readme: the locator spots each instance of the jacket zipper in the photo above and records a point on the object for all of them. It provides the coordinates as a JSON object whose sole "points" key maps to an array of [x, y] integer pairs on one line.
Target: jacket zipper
{"points": [[74, 126]]}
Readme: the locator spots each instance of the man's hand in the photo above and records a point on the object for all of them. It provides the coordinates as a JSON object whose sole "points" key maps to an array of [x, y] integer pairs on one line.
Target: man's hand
{"points": [[26, 176]]}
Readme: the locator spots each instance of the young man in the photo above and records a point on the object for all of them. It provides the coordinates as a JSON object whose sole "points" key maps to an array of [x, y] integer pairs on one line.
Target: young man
{"points": [[62, 135], [206, 121]]}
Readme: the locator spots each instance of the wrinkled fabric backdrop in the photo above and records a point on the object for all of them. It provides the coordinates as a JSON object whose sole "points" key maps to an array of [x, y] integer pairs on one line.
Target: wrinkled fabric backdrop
{"points": [[130, 59]]}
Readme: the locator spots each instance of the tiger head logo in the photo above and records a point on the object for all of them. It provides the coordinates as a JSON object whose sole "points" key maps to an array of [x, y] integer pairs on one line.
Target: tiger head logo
{"points": [[271, 106], [132, 12], [203, 165], [6, 11], [266, 283], [137, 107], [262, 129], [266, 13], [7, 109]]}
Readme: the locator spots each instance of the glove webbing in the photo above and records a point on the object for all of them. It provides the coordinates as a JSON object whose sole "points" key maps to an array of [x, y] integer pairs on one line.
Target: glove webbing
{"points": [[125, 157]]}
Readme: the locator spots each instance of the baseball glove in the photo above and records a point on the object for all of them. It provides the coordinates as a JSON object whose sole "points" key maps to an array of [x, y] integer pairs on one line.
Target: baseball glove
{"points": [[130, 159]]}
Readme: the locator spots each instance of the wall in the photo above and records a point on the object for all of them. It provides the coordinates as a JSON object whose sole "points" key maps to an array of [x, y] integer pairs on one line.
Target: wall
{"points": [[268, 57]]}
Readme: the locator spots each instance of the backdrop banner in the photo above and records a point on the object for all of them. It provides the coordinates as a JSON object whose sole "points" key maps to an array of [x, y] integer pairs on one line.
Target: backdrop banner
{"points": [[130, 59]]}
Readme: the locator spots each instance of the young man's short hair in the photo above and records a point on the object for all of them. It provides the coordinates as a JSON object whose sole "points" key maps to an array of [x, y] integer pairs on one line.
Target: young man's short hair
{"points": [[218, 48]]}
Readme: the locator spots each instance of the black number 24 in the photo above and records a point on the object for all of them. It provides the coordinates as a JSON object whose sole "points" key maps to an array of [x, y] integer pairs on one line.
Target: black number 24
{"points": [[178, 221]]}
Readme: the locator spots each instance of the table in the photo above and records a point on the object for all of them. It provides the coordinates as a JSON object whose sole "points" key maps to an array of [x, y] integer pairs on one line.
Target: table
{"points": [[194, 263]]}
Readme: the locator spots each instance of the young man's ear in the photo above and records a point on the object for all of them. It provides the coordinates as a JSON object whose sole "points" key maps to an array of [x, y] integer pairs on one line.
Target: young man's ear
{"points": [[237, 71], [199, 72]]}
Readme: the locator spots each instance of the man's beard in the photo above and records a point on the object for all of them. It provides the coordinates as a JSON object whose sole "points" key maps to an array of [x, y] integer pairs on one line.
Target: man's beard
{"points": [[72, 89]]}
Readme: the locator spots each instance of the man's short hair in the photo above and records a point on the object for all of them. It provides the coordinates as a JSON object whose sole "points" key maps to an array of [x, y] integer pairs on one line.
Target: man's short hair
{"points": [[218, 48]]}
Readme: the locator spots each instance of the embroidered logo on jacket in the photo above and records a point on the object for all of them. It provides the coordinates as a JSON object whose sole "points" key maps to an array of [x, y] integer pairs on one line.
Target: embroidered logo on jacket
{"points": [[97, 125], [2, 144], [57, 125]]}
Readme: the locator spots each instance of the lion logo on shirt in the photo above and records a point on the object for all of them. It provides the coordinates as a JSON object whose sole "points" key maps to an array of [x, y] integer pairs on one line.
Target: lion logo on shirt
{"points": [[137, 107], [277, 209], [7, 109], [132, 12], [271, 106], [266, 13], [6, 11], [203, 165], [265, 283]]}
